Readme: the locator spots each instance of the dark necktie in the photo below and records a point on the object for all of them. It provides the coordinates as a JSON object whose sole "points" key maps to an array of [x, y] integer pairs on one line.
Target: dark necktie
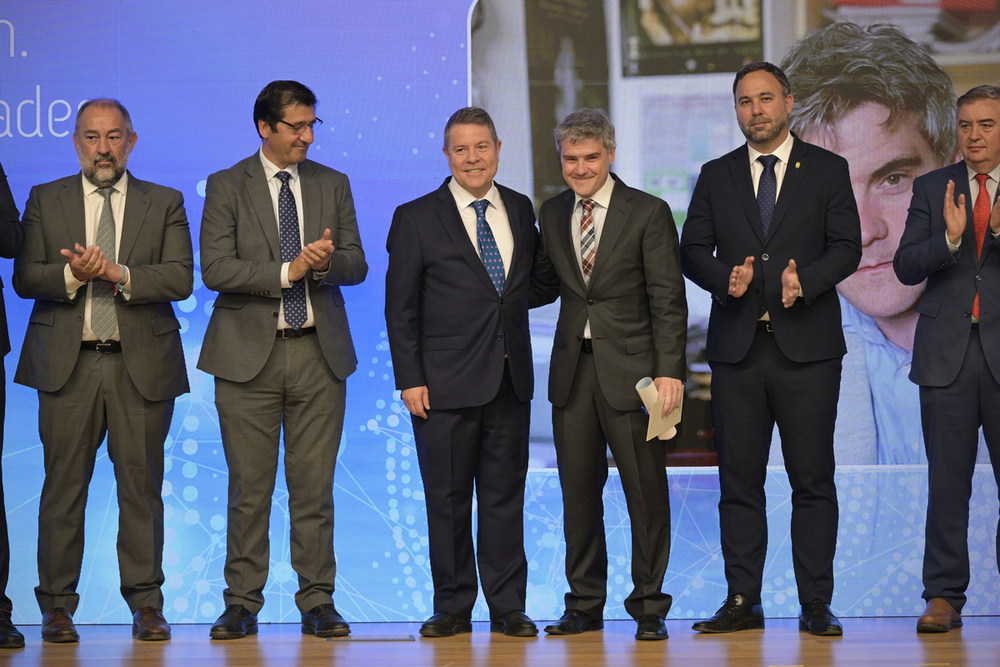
{"points": [[103, 318], [488, 251], [293, 298], [767, 191], [588, 239], [981, 218]]}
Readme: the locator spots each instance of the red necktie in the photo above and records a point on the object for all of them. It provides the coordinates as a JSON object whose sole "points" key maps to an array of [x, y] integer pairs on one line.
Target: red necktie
{"points": [[981, 218]]}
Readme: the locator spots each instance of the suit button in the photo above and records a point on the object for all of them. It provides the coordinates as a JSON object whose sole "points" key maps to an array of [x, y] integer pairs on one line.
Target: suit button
{"points": [[499, 336], [274, 313], [979, 278], [501, 302], [590, 302], [79, 317], [765, 257], [968, 313], [756, 291]]}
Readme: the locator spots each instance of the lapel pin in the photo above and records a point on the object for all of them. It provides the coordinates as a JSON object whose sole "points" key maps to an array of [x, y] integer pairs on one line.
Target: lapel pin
{"points": [[798, 164]]}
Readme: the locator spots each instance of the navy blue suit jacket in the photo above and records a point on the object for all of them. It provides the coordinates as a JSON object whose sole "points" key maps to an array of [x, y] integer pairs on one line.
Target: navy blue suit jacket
{"points": [[448, 328], [815, 223], [946, 307]]}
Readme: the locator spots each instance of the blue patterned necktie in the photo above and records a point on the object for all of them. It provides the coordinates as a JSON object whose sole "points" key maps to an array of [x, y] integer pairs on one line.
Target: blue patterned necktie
{"points": [[488, 246], [103, 318], [767, 190], [293, 298]]}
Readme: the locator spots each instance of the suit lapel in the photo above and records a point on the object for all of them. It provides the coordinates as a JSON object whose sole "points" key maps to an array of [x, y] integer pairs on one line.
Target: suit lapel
{"points": [[451, 221], [71, 201], [567, 252], [312, 202], [619, 210], [136, 207], [798, 164], [739, 169], [514, 218], [260, 199]]}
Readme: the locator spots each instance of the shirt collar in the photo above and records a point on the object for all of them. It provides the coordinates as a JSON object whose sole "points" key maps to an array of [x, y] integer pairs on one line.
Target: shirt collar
{"points": [[89, 188], [271, 169], [463, 198], [602, 196], [782, 152], [994, 174]]}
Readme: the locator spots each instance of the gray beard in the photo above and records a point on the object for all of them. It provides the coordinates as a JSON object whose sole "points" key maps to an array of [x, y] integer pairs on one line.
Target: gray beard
{"points": [[107, 176]]}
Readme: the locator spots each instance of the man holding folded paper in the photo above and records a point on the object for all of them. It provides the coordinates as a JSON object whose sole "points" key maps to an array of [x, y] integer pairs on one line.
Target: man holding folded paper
{"points": [[609, 252]]}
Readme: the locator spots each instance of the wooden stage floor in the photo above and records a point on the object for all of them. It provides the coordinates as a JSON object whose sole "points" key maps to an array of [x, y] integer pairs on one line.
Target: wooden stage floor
{"points": [[882, 641]]}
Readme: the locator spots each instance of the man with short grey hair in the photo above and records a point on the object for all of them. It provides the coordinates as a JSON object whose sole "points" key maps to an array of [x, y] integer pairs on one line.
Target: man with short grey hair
{"points": [[609, 253], [104, 256], [950, 241]]}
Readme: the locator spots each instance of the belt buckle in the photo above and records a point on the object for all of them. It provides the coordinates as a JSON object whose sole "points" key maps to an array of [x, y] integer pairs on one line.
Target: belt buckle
{"points": [[288, 334], [106, 347], [767, 326]]}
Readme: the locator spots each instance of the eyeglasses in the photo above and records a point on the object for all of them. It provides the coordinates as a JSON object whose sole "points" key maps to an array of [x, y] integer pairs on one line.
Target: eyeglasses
{"points": [[299, 128]]}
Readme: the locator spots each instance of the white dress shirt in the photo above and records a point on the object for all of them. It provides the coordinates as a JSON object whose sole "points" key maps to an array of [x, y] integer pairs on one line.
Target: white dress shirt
{"points": [[496, 218], [295, 185], [602, 199], [93, 206]]}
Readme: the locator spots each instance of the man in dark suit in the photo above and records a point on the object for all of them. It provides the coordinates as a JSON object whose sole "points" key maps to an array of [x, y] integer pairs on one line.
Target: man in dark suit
{"points": [[772, 228], [956, 359], [456, 306], [610, 252], [11, 239], [104, 255], [280, 349]]}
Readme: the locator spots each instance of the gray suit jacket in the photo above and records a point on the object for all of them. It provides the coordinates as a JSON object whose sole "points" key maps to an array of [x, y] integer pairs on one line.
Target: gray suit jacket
{"points": [[156, 247], [241, 259], [635, 300]]}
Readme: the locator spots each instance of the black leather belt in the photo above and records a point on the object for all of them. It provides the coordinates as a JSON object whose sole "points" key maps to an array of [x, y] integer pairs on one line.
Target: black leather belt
{"points": [[764, 325], [587, 345], [295, 333], [106, 347]]}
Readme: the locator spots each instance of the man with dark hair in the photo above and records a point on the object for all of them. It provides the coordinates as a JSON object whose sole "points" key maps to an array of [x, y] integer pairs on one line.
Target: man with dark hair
{"points": [[956, 350], [609, 252], [11, 239], [456, 309], [280, 349], [879, 100], [104, 255], [772, 228]]}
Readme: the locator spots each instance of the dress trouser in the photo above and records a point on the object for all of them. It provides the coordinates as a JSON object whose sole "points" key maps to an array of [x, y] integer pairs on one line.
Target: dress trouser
{"points": [[748, 399], [99, 399], [295, 391], [583, 429]]}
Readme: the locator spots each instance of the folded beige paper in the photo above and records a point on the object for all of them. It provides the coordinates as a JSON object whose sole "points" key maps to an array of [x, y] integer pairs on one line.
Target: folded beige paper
{"points": [[662, 427]]}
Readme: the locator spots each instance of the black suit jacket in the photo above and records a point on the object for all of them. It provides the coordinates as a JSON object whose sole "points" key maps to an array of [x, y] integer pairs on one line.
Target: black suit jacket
{"points": [[11, 239], [952, 281], [635, 300], [448, 328], [815, 223]]}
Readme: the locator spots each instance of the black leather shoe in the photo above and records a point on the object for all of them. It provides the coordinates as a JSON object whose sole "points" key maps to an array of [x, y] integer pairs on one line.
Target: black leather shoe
{"points": [[515, 624], [734, 614], [817, 618], [324, 621], [9, 636], [650, 626], [235, 623], [443, 624], [573, 622]]}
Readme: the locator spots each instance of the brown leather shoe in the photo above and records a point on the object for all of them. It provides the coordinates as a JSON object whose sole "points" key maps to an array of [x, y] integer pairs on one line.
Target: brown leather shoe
{"points": [[57, 626], [149, 625], [939, 616]]}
